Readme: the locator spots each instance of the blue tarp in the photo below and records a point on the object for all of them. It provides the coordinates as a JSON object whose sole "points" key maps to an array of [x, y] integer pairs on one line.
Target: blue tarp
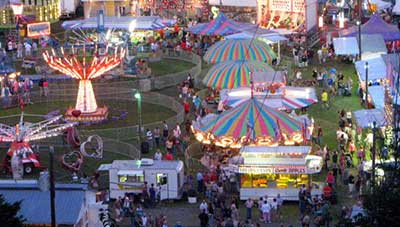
{"points": [[377, 94], [376, 69], [364, 118]]}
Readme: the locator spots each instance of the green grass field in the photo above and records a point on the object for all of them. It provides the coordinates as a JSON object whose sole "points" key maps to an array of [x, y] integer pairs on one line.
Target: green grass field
{"points": [[168, 66]]}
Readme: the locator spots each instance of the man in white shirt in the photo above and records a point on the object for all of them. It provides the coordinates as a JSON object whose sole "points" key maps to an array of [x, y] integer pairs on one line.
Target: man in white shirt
{"points": [[204, 206]]}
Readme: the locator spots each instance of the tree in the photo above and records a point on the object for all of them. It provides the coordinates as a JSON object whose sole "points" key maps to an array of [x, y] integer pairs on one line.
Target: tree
{"points": [[9, 214]]}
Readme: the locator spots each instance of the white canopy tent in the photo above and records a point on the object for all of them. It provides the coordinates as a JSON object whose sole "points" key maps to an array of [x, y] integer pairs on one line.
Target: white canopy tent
{"points": [[396, 8], [372, 46], [345, 46], [241, 3], [376, 69], [381, 5], [268, 37]]}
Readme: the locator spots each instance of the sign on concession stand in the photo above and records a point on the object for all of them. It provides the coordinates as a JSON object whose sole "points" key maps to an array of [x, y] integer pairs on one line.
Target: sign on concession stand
{"points": [[37, 30], [273, 169], [288, 14]]}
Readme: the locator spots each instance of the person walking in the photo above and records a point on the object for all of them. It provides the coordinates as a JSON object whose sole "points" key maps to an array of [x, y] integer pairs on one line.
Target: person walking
{"points": [[325, 99]]}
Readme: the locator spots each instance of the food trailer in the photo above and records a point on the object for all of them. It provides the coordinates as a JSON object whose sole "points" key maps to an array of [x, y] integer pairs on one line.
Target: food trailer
{"points": [[129, 176], [277, 170]]}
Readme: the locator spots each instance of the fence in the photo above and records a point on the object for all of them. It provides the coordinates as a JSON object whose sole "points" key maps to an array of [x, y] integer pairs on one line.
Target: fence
{"points": [[174, 78], [115, 91]]}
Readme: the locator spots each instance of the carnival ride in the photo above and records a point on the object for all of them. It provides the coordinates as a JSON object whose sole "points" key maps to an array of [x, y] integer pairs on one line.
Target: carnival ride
{"points": [[250, 123], [86, 109], [23, 133]]}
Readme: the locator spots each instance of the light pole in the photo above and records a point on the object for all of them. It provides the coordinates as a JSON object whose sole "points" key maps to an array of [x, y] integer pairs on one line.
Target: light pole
{"points": [[366, 85], [359, 39], [17, 9], [138, 97], [52, 188]]}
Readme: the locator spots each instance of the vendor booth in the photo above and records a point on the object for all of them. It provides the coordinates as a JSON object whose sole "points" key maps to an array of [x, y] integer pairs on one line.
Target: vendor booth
{"points": [[129, 176], [277, 170]]}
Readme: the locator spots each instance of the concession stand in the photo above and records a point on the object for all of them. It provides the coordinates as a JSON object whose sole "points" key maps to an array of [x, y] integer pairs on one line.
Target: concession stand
{"points": [[277, 170]]}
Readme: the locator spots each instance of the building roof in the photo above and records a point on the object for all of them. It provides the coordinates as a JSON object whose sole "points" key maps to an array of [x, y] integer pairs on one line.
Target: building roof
{"points": [[132, 164], [35, 204]]}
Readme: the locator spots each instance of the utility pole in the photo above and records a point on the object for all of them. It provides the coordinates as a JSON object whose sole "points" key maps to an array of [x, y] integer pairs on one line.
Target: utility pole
{"points": [[52, 188], [373, 154], [366, 85], [359, 28]]}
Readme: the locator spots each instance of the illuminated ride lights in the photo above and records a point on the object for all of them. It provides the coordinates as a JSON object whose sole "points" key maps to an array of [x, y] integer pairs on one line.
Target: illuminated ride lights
{"points": [[86, 108], [24, 132]]}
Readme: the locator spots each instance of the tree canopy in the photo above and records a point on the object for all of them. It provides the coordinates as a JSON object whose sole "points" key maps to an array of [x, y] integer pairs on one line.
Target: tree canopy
{"points": [[9, 214]]}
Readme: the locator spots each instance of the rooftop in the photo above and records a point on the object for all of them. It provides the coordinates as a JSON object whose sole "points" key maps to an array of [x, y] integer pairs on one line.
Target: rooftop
{"points": [[35, 204]]}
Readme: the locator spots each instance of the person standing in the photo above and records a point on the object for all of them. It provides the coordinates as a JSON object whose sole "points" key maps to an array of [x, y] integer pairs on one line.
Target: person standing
{"points": [[203, 216], [157, 135], [325, 99], [319, 135], [41, 86], [149, 136], [152, 192], [199, 177], [46, 87], [158, 155], [165, 131], [249, 205], [350, 182], [266, 209]]}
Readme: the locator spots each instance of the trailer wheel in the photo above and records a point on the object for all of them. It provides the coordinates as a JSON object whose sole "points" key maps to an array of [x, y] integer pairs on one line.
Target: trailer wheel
{"points": [[28, 168]]}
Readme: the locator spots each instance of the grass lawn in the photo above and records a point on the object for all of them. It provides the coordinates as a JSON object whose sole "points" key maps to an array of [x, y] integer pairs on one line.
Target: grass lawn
{"points": [[168, 66], [158, 113]]}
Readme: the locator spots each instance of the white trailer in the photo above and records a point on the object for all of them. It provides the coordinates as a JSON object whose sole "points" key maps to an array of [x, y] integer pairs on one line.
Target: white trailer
{"points": [[129, 176], [68, 7]]}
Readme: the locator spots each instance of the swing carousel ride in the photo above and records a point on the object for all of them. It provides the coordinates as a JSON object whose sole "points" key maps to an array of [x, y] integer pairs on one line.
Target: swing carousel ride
{"points": [[86, 109], [23, 133]]}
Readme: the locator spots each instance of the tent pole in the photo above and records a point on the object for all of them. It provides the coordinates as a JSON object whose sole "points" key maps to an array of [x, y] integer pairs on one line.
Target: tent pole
{"points": [[279, 53]]}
